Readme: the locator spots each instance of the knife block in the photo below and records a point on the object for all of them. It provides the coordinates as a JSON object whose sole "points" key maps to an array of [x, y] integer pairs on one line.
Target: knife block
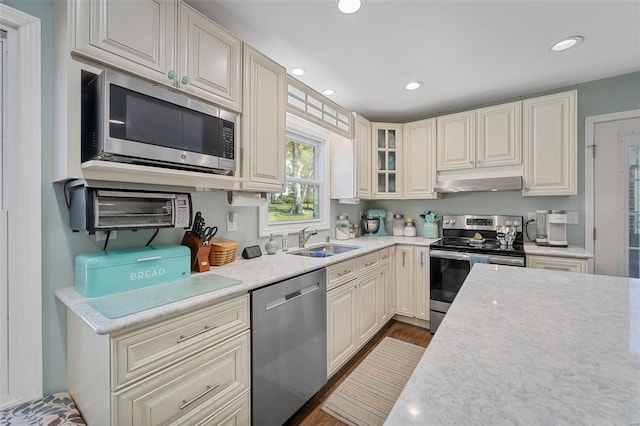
{"points": [[199, 252]]}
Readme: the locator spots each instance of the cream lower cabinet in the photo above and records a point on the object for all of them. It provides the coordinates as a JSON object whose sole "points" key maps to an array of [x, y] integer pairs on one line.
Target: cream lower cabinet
{"points": [[358, 305], [550, 144], [263, 122], [553, 263], [189, 369], [412, 282]]}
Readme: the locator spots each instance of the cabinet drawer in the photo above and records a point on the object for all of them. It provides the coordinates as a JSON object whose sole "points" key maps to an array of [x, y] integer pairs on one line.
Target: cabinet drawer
{"points": [[383, 255], [367, 262], [340, 273], [557, 264], [153, 347], [190, 391]]}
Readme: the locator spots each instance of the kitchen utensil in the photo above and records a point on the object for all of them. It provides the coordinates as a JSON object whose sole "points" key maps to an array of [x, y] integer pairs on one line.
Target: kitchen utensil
{"points": [[196, 222], [208, 233]]}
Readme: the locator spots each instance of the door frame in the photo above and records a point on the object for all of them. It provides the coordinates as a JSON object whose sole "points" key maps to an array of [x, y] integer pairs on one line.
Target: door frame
{"points": [[589, 142], [24, 201]]}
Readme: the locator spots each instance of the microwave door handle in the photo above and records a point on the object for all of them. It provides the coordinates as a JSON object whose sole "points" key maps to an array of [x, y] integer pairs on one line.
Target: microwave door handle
{"points": [[128, 194]]}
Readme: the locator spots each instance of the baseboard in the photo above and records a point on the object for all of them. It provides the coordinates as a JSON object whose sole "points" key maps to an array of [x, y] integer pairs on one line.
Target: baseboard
{"points": [[413, 321]]}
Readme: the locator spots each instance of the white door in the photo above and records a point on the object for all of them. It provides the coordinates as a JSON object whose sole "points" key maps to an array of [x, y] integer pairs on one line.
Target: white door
{"points": [[4, 295], [630, 182], [612, 218]]}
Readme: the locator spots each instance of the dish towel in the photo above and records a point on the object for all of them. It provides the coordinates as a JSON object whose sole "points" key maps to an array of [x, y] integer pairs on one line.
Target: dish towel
{"points": [[477, 258]]}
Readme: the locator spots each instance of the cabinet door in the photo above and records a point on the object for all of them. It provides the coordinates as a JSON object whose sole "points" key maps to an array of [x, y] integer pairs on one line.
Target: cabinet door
{"points": [[387, 178], [263, 122], [404, 281], [422, 280], [499, 135], [363, 157], [550, 145], [385, 296], [419, 159], [137, 36], [456, 141], [368, 318], [552, 263], [210, 59], [342, 338]]}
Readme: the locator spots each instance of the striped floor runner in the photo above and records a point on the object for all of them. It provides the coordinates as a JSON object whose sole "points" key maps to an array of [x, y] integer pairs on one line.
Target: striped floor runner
{"points": [[368, 394]]}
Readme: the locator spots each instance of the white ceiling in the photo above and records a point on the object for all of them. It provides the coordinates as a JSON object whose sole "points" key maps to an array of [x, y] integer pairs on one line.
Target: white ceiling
{"points": [[466, 52]]}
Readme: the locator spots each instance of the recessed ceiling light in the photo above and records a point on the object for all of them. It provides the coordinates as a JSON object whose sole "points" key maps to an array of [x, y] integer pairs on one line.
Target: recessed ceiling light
{"points": [[349, 6], [413, 85], [567, 43], [297, 71], [329, 92]]}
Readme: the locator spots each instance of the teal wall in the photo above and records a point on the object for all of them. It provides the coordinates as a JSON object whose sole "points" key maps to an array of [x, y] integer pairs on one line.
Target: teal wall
{"points": [[60, 245]]}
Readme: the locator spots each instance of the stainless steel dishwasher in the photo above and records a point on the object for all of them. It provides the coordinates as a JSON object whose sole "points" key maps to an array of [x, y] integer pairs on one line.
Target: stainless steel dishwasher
{"points": [[289, 346]]}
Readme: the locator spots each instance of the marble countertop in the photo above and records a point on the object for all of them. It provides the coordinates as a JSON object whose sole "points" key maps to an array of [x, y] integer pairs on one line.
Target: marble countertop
{"points": [[529, 346], [571, 251], [253, 273]]}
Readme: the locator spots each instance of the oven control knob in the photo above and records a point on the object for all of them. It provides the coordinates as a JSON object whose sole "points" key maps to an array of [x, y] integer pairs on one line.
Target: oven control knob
{"points": [[446, 221], [453, 221]]}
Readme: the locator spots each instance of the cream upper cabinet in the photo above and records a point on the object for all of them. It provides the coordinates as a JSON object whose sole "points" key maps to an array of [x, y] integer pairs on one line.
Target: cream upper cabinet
{"points": [[139, 36], [419, 159], [499, 135], [456, 141], [387, 151], [210, 59], [550, 145], [263, 122], [363, 157], [163, 40]]}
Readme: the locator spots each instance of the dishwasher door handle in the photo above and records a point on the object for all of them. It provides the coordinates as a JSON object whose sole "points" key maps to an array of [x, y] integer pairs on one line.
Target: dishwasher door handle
{"points": [[292, 296]]}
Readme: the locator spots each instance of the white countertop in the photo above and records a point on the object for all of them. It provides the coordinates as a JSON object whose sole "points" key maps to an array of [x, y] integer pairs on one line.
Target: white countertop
{"points": [[571, 251], [528, 346], [253, 273]]}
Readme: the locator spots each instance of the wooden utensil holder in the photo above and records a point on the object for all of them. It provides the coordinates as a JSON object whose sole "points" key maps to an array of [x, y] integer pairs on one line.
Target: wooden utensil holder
{"points": [[199, 252]]}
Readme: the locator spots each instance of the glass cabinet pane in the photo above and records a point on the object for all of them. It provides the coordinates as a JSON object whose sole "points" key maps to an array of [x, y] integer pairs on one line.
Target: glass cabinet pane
{"points": [[382, 161], [392, 139], [382, 184], [392, 182], [382, 143], [392, 161]]}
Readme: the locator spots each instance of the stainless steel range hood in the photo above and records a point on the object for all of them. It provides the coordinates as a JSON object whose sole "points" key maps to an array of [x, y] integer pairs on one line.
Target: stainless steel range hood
{"points": [[513, 183]]}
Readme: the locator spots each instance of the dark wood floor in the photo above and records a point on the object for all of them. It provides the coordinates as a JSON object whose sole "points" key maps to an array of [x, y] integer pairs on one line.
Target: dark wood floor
{"points": [[312, 414]]}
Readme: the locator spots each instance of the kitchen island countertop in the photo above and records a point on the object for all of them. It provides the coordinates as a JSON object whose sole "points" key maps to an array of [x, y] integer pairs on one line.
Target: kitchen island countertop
{"points": [[529, 346]]}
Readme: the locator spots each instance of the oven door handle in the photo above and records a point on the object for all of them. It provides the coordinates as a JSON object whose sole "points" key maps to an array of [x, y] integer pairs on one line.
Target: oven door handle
{"points": [[496, 260]]}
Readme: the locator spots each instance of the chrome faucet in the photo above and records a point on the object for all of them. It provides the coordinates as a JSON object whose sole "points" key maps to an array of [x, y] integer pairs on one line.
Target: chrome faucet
{"points": [[303, 236]]}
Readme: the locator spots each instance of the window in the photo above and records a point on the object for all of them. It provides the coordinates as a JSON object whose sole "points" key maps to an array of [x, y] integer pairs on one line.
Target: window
{"points": [[304, 200]]}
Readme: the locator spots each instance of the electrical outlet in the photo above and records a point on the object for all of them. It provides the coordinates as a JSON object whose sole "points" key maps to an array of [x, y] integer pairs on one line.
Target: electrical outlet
{"points": [[531, 216], [232, 221], [573, 218], [102, 235]]}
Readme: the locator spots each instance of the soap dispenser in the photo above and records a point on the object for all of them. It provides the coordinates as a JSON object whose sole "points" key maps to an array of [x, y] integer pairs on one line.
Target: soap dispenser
{"points": [[271, 247]]}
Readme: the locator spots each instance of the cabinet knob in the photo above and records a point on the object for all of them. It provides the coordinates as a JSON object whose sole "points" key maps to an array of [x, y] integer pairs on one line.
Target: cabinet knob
{"points": [[172, 75], [471, 162], [185, 80], [526, 190], [479, 162]]}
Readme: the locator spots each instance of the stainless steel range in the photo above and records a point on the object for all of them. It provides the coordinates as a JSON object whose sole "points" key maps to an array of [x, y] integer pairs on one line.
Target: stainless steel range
{"points": [[466, 240]]}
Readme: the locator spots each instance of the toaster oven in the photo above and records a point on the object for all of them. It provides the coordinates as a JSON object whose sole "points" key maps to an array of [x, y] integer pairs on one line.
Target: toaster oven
{"points": [[104, 209]]}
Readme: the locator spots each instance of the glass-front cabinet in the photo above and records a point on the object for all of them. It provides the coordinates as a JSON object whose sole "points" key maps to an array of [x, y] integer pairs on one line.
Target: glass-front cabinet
{"points": [[387, 144]]}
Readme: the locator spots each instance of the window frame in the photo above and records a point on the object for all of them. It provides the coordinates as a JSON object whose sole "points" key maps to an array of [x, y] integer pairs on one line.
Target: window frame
{"points": [[308, 133]]}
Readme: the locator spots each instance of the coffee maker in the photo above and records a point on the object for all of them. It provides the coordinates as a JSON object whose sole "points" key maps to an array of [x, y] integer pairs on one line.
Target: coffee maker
{"points": [[551, 229]]}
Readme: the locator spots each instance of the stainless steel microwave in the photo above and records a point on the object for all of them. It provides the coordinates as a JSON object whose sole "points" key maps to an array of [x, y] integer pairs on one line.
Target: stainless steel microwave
{"points": [[104, 209], [126, 119]]}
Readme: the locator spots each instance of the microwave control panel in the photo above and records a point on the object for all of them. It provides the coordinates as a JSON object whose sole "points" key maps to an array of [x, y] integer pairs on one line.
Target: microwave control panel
{"points": [[227, 142]]}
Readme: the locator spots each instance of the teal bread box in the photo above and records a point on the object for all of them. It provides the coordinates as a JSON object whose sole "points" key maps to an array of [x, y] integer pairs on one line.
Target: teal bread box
{"points": [[113, 271]]}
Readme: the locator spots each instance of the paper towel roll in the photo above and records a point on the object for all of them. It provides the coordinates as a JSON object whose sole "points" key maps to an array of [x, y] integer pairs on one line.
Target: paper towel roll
{"points": [[245, 199]]}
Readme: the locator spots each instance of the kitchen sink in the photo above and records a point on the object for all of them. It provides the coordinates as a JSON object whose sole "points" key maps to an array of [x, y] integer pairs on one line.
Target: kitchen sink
{"points": [[324, 250]]}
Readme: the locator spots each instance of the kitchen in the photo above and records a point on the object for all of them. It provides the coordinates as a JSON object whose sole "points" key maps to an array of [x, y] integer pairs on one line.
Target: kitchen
{"points": [[60, 246]]}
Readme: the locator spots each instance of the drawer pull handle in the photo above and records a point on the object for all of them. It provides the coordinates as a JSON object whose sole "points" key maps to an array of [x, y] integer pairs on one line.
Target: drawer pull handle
{"points": [[369, 263], [557, 268], [345, 272], [197, 333], [209, 388]]}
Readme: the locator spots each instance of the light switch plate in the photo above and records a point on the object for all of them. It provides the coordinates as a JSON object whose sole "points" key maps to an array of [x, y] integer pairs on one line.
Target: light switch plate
{"points": [[232, 221], [573, 218]]}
